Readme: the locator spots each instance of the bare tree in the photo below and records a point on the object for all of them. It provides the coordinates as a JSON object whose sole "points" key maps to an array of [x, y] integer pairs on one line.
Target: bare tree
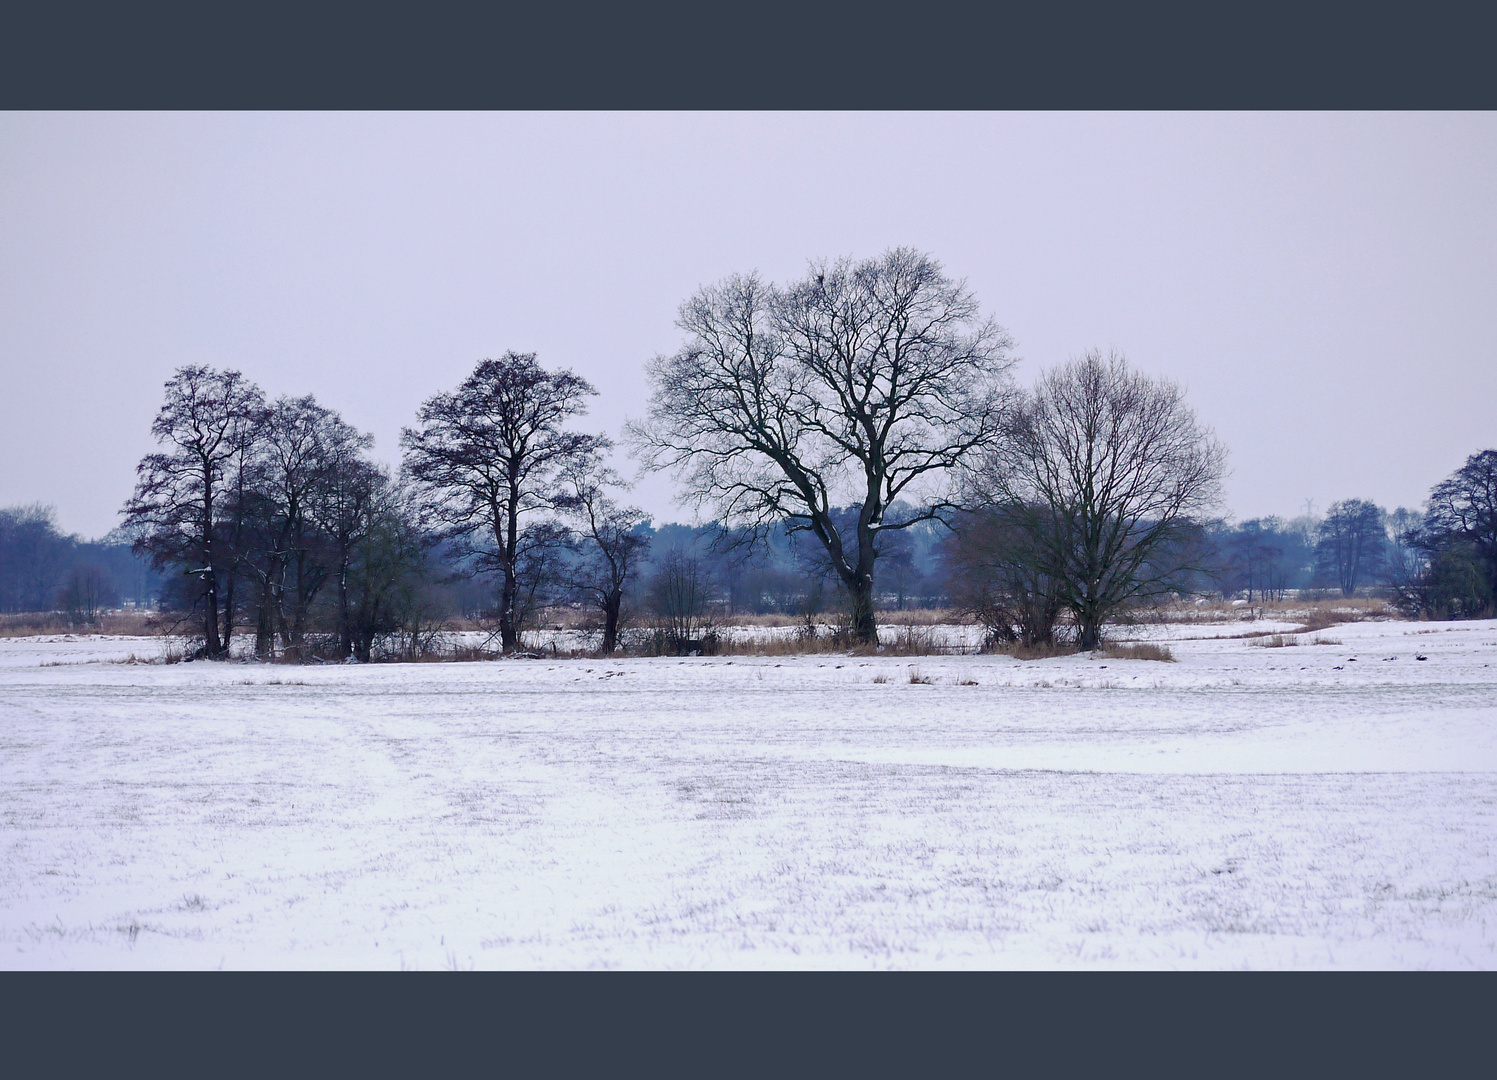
{"points": [[305, 450], [1350, 543], [678, 597], [341, 505], [209, 421], [1103, 472], [487, 456], [386, 570], [850, 386], [88, 591], [608, 543]]}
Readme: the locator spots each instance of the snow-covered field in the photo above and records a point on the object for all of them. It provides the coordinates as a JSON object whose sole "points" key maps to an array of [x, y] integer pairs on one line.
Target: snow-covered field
{"points": [[1327, 805]]}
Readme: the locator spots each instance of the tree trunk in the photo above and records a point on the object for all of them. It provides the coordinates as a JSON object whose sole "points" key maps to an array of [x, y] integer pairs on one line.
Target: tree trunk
{"points": [[228, 620], [1090, 628], [864, 625], [211, 647], [611, 623], [264, 623], [509, 638], [509, 543], [211, 644], [345, 625]]}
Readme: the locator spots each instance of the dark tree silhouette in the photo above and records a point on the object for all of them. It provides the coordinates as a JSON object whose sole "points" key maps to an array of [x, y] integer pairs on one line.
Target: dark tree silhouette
{"points": [[1350, 543], [1101, 478], [678, 596], [304, 450], [343, 505], [1261, 557], [846, 387], [88, 591], [487, 456], [209, 422], [34, 557], [999, 570], [1464, 505], [386, 571], [1456, 575]]}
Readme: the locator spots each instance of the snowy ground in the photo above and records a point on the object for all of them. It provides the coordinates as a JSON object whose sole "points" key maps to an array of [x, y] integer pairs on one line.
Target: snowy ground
{"points": [[1327, 805]]}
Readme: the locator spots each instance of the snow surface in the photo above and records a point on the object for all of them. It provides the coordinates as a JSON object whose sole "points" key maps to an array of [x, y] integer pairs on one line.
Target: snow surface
{"points": [[1312, 806]]}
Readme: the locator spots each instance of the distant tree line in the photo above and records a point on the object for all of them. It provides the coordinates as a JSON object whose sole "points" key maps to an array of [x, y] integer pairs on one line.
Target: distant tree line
{"points": [[1355, 546], [1439, 563], [45, 570]]}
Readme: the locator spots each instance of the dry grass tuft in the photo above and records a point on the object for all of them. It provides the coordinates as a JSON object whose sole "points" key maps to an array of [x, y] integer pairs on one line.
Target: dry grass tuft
{"points": [[1140, 650], [881, 677], [1020, 651], [919, 678], [789, 645], [1321, 617], [820, 639]]}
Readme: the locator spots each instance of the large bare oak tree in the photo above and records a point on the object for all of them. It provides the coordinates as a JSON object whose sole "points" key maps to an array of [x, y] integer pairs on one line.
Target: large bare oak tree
{"points": [[863, 382]]}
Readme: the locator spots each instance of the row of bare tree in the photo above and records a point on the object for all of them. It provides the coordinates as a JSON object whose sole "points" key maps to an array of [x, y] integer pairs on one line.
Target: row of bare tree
{"points": [[272, 511], [275, 518], [853, 405], [878, 381]]}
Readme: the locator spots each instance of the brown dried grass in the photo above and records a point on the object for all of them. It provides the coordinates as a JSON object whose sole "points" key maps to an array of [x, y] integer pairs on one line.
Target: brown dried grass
{"points": [[1139, 650], [117, 623], [1020, 651], [1317, 612]]}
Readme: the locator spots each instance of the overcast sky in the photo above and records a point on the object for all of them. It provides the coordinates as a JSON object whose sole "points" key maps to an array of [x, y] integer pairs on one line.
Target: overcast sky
{"points": [[1324, 285]]}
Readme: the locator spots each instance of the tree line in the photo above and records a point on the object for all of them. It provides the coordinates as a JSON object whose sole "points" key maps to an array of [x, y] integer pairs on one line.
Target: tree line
{"points": [[1439, 563], [44, 570], [855, 437]]}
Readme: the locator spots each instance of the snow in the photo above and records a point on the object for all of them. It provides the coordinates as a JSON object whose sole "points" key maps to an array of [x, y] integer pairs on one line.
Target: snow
{"points": [[1312, 806]]}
